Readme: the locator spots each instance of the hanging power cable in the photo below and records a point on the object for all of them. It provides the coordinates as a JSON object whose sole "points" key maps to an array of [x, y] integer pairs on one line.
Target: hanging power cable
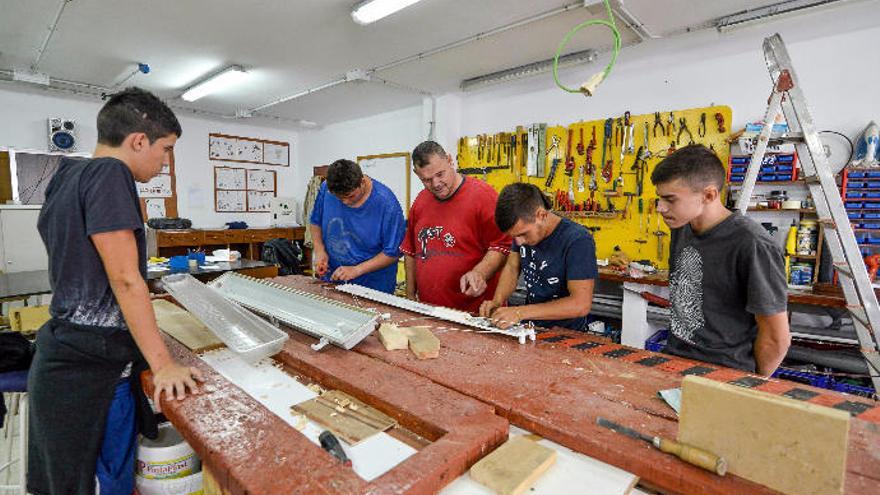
{"points": [[589, 87]]}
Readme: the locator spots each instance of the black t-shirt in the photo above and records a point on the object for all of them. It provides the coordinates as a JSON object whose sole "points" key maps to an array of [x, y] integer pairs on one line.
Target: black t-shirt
{"points": [[568, 253], [718, 281], [87, 197]]}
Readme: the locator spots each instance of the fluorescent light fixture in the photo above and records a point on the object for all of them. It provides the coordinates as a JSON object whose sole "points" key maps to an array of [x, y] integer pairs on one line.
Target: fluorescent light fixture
{"points": [[764, 14], [372, 10], [219, 81], [523, 71]]}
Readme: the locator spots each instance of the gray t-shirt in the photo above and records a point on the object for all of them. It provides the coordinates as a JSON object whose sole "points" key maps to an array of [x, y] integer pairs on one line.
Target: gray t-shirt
{"points": [[718, 281], [84, 198]]}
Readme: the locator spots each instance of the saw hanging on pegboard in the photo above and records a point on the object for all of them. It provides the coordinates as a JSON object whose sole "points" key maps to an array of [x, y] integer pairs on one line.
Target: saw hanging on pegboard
{"points": [[598, 173]]}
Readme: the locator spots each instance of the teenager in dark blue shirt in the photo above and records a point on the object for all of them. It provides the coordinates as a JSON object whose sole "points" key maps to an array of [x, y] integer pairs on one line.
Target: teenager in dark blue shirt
{"points": [[84, 383], [357, 227], [556, 256]]}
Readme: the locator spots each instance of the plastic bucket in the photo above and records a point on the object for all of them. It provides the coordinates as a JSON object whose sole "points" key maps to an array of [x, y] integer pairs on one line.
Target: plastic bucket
{"points": [[166, 457]]}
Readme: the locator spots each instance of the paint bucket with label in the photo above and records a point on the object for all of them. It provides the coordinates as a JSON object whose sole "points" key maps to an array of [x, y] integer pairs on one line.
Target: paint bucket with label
{"points": [[188, 485], [166, 457]]}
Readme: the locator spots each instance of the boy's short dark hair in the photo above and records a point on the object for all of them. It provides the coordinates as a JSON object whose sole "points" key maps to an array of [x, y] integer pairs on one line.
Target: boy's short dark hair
{"points": [[135, 110], [695, 164], [518, 201], [343, 177], [422, 154]]}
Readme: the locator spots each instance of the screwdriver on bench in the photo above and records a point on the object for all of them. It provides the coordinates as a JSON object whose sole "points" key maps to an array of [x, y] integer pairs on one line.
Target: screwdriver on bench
{"points": [[687, 453]]}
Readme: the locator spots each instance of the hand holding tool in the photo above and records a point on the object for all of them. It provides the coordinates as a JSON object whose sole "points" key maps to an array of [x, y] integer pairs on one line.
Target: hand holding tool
{"points": [[687, 453]]}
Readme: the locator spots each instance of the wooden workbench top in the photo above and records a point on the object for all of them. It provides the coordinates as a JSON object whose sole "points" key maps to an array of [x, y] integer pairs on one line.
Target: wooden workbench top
{"points": [[557, 387]]}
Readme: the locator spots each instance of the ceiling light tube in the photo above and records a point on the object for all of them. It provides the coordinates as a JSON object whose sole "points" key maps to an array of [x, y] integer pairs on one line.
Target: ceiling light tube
{"points": [[372, 10], [217, 82], [528, 70]]}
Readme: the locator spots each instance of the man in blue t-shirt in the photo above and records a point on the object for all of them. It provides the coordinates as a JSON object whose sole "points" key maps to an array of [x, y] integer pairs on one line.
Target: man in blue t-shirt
{"points": [[557, 258], [357, 227]]}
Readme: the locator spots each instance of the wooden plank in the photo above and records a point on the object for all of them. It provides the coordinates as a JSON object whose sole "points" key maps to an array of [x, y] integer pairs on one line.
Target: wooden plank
{"points": [[349, 427], [360, 410], [513, 467], [423, 343], [791, 446], [184, 327]]}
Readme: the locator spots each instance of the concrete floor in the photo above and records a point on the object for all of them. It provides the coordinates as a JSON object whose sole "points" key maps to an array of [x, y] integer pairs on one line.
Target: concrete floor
{"points": [[9, 444]]}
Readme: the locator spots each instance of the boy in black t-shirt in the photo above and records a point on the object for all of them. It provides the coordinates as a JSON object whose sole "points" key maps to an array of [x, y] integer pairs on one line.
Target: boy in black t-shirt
{"points": [[727, 277], [84, 383], [557, 258]]}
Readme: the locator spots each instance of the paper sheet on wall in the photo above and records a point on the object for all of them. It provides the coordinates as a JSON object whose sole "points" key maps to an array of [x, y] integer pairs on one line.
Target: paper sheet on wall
{"points": [[155, 208], [276, 154], [158, 187]]}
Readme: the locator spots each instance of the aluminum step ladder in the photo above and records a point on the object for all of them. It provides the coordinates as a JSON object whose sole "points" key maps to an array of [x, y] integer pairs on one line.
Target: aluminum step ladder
{"points": [[788, 99]]}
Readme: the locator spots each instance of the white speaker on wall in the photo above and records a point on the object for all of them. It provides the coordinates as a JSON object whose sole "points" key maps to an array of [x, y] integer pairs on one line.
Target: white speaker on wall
{"points": [[62, 134]]}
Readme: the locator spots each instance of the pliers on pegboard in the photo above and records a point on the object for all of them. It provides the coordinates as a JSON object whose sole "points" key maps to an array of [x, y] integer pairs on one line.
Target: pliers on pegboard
{"points": [[701, 129], [683, 127], [658, 121]]}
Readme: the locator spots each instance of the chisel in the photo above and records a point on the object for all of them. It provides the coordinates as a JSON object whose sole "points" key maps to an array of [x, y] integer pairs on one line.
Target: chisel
{"points": [[687, 453]]}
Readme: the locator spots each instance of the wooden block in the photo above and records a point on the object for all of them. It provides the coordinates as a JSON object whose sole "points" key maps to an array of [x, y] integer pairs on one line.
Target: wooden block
{"points": [[515, 466], [393, 337], [184, 327], [423, 343], [791, 446], [28, 318]]}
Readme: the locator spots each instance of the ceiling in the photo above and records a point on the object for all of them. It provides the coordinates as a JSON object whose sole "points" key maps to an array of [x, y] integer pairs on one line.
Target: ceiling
{"points": [[291, 46]]}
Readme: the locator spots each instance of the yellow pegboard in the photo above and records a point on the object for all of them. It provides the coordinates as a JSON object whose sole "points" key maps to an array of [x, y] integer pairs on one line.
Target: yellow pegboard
{"points": [[503, 164]]}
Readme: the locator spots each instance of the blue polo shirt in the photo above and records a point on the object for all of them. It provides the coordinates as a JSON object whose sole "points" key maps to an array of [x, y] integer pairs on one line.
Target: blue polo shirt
{"points": [[354, 235]]}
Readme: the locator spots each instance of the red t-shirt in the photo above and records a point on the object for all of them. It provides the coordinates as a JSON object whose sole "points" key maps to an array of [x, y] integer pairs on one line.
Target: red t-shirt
{"points": [[448, 238]]}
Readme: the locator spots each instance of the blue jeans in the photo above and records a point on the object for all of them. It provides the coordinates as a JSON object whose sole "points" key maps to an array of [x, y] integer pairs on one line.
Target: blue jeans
{"points": [[116, 461]]}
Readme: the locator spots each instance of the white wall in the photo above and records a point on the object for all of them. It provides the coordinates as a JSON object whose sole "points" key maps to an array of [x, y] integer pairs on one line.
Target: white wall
{"points": [[834, 54], [390, 132], [23, 117]]}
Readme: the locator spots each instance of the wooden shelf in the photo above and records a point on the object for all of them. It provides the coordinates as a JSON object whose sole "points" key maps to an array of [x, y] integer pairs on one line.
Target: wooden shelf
{"points": [[804, 256], [783, 210], [759, 183]]}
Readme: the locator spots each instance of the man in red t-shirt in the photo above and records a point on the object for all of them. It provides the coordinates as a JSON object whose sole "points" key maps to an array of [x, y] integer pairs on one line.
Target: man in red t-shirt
{"points": [[452, 248]]}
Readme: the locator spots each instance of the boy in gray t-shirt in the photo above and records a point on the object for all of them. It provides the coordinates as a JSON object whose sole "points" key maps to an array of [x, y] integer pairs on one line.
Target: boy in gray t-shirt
{"points": [[727, 277]]}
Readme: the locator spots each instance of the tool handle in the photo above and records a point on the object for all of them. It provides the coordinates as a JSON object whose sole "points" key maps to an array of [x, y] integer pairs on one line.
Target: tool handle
{"points": [[693, 455]]}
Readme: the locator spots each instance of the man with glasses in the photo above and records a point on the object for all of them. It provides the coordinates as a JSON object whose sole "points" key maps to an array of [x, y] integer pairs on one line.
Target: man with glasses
{"points": [[357, 226]]}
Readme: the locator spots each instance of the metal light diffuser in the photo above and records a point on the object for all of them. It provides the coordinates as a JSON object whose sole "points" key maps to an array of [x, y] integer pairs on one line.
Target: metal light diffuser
{"points": [[333, 322]]}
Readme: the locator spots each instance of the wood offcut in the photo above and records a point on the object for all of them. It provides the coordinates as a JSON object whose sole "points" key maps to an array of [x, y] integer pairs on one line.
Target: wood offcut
{"points": [[791, 446], [184, 327], [348, 418], [513, 467]]}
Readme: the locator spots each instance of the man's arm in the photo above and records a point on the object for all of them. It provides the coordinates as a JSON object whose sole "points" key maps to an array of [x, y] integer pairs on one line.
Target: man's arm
{"points": [[506, 285], [576, 304], [473, 283], [346, 273], [409, 265], [118, 252], [320, 259], [772, 342]]}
